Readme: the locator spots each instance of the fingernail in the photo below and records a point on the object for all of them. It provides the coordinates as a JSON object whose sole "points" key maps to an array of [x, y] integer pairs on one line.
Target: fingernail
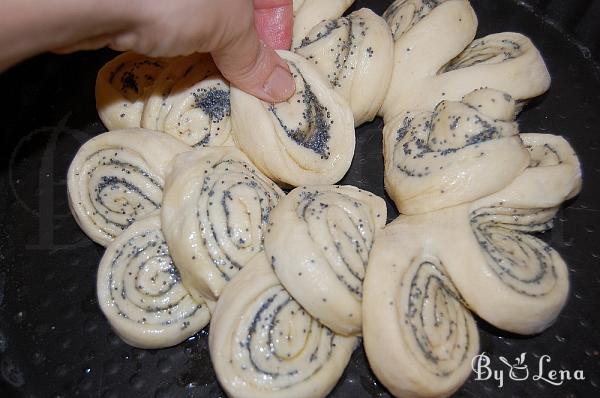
{"points": [[280, 85]]}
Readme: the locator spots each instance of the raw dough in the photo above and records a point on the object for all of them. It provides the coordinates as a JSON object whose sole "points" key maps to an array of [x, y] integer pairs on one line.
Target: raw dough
{"points": [[263, 344], [418, 335], [122, 86], [190, 101], [214, 215], [355, 53], [319, 244], [458, 153], [431, 66], [427, 36], [117, 178], [140, 291], [308, 13], [307, 140]]}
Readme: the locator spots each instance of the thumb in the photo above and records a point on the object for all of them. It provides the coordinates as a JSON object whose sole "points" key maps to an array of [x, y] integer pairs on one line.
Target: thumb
{"points": [[254, 67]]}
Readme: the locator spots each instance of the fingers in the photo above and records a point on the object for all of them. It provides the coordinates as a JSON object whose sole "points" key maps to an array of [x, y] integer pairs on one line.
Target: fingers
{"points": [[254, 67], [274, 22]]}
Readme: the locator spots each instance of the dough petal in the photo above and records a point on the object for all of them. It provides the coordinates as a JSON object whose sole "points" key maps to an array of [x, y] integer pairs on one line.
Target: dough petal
{"points": [[190, 101], [122, 86], [214, 215], [355, 53], [458, 153], [117, 178], [140, 291], [427, 34], [307, 140], [418, 335], [432, 63], [319, 244], [263, 344]]}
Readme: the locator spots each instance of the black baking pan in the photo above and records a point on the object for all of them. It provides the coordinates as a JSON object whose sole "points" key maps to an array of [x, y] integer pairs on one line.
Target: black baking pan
{"points": [[54, 341]]}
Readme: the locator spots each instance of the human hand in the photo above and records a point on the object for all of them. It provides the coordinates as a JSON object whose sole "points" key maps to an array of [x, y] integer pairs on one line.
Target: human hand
{"points": [[240, 34]]}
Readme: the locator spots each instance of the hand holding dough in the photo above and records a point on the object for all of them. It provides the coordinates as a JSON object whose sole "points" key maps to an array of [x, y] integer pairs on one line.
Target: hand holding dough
{"points": [[214, 215], [122, 86], [458, 153], [355, 53], [319, 244], [190, 101], [140, 291], [263, 344], [307, 140], [117, 178]]}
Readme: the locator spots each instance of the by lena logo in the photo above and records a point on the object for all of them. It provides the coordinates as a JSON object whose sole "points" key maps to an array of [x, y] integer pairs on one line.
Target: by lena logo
{"points": [[519, 370]]}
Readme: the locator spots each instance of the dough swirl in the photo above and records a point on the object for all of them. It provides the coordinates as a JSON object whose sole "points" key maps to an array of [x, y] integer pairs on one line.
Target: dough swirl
{"points": [[215, 213], [117, 178], [460, 152], [355, 53], [419, 336], [140, 291], [319, 244], [262, 343], [122, 86], [190, 101], [307, 140]]}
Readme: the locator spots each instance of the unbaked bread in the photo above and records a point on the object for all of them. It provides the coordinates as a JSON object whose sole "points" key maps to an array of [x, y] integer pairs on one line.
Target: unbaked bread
{"points": [[215, 213], [117, 178], [432, 63], [355, 53], [309, 139], [122, 86], [263, 344], [140, 291], [458, 153], [419, 336], [318, 244], [190, 101], [308, 13]]}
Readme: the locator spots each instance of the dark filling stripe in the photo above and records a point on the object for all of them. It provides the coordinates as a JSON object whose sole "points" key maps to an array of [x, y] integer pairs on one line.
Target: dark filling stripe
{"points": [[152, 244], [430, 278], [109, 184], [223, 185], [494, 234]]}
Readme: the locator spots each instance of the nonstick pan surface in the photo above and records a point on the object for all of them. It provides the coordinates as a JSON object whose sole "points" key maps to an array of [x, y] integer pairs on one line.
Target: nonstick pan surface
{"points": [[54, 341]]}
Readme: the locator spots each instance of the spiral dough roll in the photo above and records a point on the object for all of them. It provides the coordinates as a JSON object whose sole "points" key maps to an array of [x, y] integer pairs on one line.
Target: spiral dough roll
{"points": [[419, 336], [122, 86], [190, 101], [437, 60], [140, 291], [503, 261], [263, 343], [319, 244], [215, 213], [458, 153], [117, 178], [307, 140], [355, 53]]}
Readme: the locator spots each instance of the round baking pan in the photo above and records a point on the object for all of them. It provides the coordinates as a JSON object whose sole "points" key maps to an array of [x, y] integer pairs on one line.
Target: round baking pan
{"points": [[54, 341]]}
